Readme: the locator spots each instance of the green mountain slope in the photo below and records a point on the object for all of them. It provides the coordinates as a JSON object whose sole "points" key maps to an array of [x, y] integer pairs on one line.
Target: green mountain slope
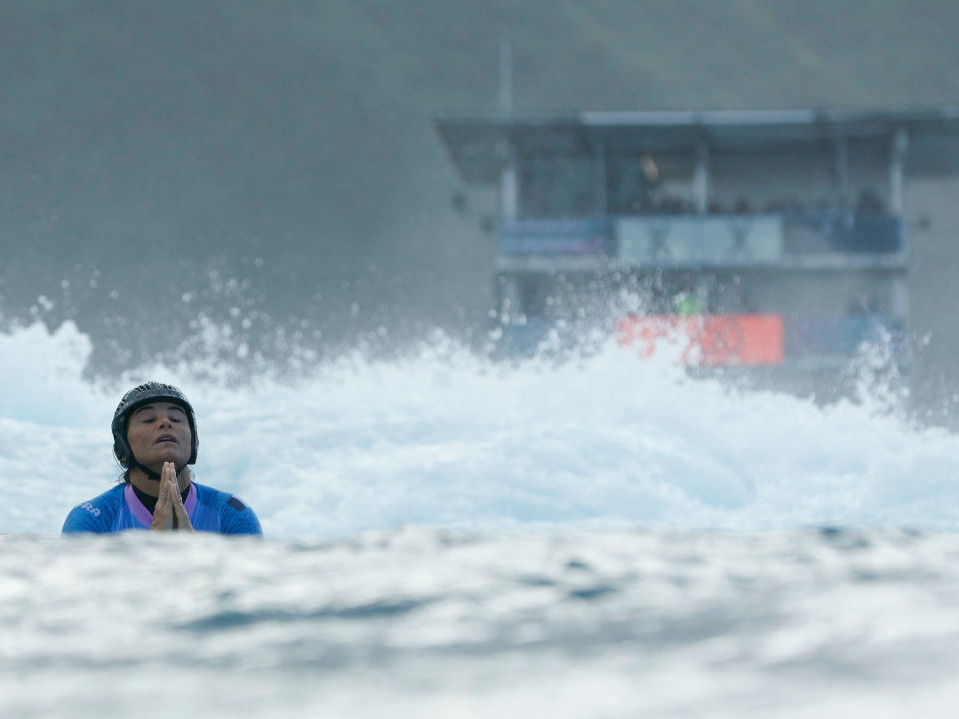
{"points": [[305, 109], [296, 136]]}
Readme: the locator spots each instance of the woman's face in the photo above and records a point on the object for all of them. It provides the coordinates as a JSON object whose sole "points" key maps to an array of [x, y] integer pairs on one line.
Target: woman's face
{"points": [[160, 432]]}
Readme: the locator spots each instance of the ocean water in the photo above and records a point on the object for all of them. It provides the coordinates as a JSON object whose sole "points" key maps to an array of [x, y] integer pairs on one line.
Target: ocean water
{"points": [[450, 537]]}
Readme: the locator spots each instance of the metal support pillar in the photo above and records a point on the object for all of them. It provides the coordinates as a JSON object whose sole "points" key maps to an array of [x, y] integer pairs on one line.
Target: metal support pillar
{"points": [[701, 178], [842, 169], [599, 180], [509, 191], [900, 142]]}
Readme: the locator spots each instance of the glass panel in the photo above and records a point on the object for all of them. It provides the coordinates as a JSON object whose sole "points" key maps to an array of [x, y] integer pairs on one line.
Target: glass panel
{"points": [[554, 187]]}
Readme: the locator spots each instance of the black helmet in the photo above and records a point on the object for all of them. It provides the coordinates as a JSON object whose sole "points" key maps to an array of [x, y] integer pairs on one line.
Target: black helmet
{"points": [[141, 395]]}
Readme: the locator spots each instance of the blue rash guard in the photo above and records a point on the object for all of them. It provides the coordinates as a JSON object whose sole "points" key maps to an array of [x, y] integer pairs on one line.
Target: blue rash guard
{"points": [[119, 509]]}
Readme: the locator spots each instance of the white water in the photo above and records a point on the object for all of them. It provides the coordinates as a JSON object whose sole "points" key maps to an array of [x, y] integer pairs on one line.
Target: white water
{"points": [[570, 564], [565, 624], [444, 438]]}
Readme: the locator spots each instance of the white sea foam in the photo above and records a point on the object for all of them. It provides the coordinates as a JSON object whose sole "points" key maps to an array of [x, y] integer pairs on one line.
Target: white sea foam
{"points": [[566, 614], [445, 438], [566, 624]]}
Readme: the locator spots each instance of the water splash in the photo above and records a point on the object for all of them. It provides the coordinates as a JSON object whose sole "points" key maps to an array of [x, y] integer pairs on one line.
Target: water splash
{"points": [[442, 436]]}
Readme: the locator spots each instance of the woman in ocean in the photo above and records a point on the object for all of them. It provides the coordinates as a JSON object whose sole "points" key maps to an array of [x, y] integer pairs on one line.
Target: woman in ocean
{"points": [[154, 439]]}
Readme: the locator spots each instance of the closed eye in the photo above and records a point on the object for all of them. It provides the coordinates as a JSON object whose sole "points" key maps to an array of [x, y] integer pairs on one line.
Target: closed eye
{"points": [[148, 415]]}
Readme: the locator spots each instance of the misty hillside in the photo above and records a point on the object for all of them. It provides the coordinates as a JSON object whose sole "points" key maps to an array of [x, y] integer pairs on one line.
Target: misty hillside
{"points": [[289, 144]]}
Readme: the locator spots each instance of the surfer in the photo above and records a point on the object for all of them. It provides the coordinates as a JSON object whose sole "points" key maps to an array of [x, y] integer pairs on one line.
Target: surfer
{"points": [[154, 439]]}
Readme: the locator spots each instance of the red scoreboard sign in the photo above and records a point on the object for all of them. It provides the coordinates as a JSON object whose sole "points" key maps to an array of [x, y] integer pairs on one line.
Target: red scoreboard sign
{"points": [[708, 340]]}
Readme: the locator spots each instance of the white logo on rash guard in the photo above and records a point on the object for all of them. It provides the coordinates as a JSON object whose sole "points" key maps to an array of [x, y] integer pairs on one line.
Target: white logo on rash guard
{"points": [[90, 508]]}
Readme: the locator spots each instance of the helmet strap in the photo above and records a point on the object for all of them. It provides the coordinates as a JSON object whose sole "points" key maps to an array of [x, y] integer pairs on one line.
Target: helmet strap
{"points": [[146, 470], [149, 472]]}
